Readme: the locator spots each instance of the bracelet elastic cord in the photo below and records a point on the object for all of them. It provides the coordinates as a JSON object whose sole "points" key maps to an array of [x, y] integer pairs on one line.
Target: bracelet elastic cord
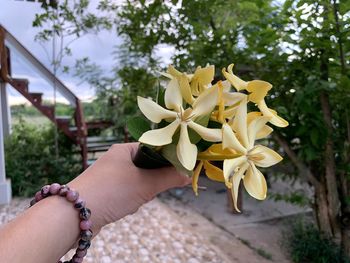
{"points": [[84, 214]]}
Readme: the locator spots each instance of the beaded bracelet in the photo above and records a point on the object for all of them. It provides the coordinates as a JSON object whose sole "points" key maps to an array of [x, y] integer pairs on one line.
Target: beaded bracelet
{"points": [[84, 214]]}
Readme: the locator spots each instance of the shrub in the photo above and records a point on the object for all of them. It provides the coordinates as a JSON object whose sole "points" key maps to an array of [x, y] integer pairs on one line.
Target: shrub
{"points": [[31, 159], [308, 245]]}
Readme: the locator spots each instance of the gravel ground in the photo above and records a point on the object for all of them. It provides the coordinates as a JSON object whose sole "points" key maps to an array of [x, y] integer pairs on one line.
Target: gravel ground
{"points": [[153, 234]]}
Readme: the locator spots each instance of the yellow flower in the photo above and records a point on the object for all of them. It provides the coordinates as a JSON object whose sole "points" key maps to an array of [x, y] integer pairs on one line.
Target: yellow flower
{"points": [[240, 137], [257, 89], [179, 117]]}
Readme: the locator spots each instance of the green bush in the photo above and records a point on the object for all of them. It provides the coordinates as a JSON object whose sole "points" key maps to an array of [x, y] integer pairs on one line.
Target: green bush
{"points": [[31, 159], [308, 245]]}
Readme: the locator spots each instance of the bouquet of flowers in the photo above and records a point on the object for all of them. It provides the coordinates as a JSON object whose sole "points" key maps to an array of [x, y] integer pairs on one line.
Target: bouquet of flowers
{"points": [[197, 124]]}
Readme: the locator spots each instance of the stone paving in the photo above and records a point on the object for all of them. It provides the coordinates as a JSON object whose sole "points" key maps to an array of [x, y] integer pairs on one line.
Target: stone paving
{"points": [[153, 234]]}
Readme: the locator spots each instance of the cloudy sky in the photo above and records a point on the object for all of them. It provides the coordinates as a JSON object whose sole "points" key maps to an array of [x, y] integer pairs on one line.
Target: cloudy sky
{"points": [[17, 16]]}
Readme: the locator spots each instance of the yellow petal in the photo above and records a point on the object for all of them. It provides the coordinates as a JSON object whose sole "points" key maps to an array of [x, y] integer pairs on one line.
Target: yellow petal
{"points": [[201, 78], [253, 115], [214, 173], [186, 151], [159, 137], [233, 79], [258, 90], [255, 183], [275, 119], [206, 102], [230, 166], [236, 180], [195, 177], [263, 156], [164, 74], [227, 85], [153, 111], [172, 96], [263, 132], [229, 139], [174, 72], [232, 98], [240, 123], [185, 89], [218, 149], [254, 127], [210, 135]]}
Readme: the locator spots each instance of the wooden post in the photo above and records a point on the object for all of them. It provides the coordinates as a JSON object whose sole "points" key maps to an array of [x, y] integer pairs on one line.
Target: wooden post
{"points": [[5, 185]]}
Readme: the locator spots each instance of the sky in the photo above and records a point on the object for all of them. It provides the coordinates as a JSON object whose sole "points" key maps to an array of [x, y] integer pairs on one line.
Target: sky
{"points": [[17, 16]]}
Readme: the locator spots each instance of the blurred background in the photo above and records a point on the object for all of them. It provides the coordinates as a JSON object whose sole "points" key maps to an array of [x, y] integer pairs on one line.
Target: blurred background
{"points": [[70, 75]]}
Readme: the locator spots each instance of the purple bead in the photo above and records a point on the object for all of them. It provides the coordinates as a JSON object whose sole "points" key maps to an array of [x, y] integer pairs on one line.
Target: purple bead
{"points": [[81, 253], [77, 259], [63, 190], [85, 213], [85, 225], [72, 195], [45, 191], [79, 203], [38, 196], [54, 188]]}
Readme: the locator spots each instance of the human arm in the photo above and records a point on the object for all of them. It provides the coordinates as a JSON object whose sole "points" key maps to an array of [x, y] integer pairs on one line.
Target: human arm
{"points": [[112, 188]]}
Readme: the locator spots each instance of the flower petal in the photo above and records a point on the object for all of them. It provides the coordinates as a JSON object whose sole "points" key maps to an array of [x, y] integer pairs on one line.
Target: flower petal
{"points": [[254, 127], [258, 90], [233, 79], [186, 151], [201, 78], [240, 123], [263, 156], [263, 132], [232, 98], [195, 177], [159, 137], [185, 89], [229, 139], [172, 96], [236, 180], [230, 166], [213, 173], [153, 111], [275, 119], [206, 102], [255, 183], [210, 135], [174, 72]]}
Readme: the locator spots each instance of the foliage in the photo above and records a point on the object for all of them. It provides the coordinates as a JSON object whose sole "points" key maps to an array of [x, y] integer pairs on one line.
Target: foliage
{"points": [[25, 110], [31, 159], [301, 46], [307, 245]]}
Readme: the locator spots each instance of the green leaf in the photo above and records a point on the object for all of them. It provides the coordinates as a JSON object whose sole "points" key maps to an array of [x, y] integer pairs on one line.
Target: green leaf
{"points": [[137, 126], [169, 153]]}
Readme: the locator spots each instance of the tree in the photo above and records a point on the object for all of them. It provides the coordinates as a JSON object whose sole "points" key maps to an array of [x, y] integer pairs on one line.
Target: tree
{"points": [[300, 46]]}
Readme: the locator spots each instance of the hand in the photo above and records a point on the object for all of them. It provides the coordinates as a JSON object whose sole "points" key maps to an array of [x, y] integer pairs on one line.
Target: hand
{"points": [[114, 187]]}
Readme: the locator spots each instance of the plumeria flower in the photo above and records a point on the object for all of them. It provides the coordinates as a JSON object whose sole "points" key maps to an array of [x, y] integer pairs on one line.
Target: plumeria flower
{"points": [[180, 118], [257, 89], [201, 79], [240, 138]]}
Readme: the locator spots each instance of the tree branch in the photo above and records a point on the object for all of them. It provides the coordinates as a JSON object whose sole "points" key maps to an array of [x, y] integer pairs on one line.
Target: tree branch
{"points": [[302, 168]]}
